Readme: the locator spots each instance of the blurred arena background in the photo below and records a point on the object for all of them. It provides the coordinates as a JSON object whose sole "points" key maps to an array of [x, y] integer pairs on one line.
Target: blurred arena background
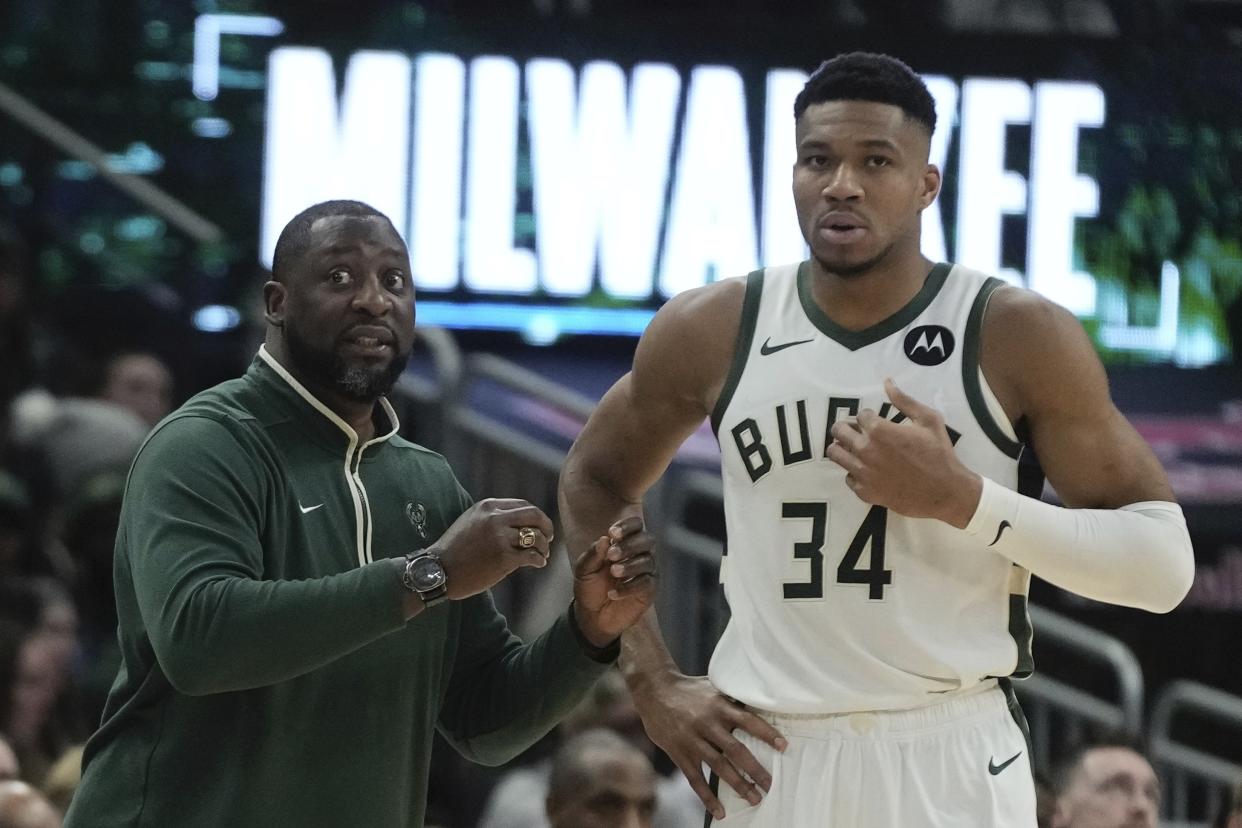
{"points": [[560, 168]]}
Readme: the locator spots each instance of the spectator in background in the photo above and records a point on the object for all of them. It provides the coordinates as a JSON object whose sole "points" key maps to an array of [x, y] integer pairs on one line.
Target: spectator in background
{"points": [[1107, 783], [140, 383], [44, 605], [518, 800], [69, 445], [75, 438], [37, 707], [21, 806], [9, 767], [600, 780], [86, 536]]}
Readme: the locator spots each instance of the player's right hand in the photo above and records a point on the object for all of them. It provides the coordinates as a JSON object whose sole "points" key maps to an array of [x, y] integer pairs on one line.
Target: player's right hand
{"points": [[483, 545], [694, 724]]}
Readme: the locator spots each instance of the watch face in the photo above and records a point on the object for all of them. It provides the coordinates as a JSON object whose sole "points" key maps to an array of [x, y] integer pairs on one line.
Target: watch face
{"points": [[426, 573]]}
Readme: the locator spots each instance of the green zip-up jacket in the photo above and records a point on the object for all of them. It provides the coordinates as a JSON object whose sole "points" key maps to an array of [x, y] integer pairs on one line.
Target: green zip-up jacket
{"points": [[268, 676]]}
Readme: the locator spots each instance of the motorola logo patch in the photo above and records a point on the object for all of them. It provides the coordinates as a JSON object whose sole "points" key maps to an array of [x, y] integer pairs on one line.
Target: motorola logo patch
{"points": [[929, 344]]}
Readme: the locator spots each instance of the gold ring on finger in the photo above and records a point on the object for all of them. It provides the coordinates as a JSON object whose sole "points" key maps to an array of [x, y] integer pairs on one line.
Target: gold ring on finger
{"points": [[526, 537]]}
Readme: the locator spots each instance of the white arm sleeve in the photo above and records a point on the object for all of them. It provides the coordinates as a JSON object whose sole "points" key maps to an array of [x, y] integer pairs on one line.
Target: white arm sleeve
{"points": [[1136, 556]]}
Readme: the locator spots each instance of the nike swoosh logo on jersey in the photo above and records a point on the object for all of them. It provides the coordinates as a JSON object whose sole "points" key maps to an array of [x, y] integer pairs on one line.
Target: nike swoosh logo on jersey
{"points": [[1000, 530], [767, 348], [994, 768], [308, 509]]}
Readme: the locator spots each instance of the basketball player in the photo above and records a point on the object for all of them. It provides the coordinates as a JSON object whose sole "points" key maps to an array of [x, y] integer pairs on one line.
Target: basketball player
{"points": [[871, 407]]}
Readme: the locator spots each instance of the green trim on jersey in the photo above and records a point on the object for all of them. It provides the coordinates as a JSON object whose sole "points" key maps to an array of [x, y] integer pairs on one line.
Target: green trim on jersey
{"points": [[887, 327], [1031, 484], [1022, 633], [1015, 711], [745, 336], [970, 372], [1019, 614]]}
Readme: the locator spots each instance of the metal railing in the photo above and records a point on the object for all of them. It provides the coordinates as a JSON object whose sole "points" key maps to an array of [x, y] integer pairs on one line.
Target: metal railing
{"points": [[1062, 713], [497, 439], [61, 136], [693, 610], [1191, 765], [421, 401]]}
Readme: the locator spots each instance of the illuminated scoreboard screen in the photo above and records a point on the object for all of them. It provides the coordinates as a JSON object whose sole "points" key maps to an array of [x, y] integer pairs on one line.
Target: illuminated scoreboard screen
{"points": [[555, 198], [562, 177]]}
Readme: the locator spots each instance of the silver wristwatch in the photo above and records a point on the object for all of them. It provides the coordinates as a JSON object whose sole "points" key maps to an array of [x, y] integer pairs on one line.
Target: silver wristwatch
{"points": [[424, 574]]}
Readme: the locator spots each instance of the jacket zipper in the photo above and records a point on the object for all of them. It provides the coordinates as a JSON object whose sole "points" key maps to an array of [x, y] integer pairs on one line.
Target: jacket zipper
{"points": [[356, 481]]}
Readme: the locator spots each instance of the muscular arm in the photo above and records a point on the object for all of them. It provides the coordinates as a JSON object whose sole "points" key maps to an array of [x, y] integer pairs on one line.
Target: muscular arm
{"points": [[680, 366], [1040, 363], [635, 431], [1124, 540], [604, 480]]}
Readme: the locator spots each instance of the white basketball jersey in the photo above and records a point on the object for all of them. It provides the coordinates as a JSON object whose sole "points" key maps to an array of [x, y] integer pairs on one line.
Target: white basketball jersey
{"points": [[839, 606]]}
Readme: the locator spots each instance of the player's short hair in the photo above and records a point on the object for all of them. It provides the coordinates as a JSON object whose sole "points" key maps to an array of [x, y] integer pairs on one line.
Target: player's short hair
{"points": [[295, 238], [867, 76]]}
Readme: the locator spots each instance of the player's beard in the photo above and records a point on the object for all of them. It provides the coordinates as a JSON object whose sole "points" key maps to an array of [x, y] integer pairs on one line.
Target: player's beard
{"points": [[354, 380]]}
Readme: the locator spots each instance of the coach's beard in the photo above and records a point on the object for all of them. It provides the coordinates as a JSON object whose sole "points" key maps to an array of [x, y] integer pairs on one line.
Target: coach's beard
{"points": [[354, 380], [366, 382]]}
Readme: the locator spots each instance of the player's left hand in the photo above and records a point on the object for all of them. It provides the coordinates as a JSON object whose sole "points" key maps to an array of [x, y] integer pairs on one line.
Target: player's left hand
{"points": [[909, 467], [614, 581]]}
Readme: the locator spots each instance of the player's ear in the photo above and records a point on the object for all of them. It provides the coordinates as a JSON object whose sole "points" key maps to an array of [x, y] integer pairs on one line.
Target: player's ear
{"points": [[931, 186], [274, 296]]}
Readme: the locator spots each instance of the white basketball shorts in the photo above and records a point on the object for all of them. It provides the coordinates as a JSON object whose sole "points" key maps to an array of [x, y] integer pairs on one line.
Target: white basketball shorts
{"points": [[961, 763]]}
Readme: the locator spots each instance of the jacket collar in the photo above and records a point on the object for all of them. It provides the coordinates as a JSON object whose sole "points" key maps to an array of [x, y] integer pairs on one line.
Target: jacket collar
{"points": [[280, 377]]}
